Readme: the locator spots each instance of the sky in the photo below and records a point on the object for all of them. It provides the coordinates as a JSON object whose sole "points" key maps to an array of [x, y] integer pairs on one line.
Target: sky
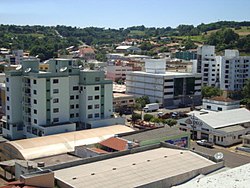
{"points": [[121, 13]]}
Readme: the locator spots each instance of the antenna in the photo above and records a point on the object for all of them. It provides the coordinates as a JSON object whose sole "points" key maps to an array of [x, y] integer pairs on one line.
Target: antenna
{"points": [[27, 70], [63, 69], [218, 156], [19, 67]]}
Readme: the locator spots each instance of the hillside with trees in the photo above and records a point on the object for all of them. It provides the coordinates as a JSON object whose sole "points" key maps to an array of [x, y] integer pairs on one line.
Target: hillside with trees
{"points": [[47, 41]]}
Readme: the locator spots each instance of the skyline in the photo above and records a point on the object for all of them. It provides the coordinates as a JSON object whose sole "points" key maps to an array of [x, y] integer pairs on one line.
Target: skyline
{"points": [[121, 14]]}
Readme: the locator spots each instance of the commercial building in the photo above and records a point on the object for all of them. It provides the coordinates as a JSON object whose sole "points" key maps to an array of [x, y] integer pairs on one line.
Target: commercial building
{"points": [[164, 134], [220, 103], [123, 101], [62, 99], [128, 49], [152, 167], [167, 88], [118, 71], [40, 147], [222, 128]]}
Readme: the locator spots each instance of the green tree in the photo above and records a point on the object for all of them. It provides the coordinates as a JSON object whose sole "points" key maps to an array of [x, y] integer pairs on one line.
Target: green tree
{"points": [[171, 122], [209, 91], [148, 117], [142, 101], [246, 89], [189, 44], [135, 117]]}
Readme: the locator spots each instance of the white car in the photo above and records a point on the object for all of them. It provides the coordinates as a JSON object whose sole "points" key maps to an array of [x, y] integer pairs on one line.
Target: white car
{"points": [[204, 143]]}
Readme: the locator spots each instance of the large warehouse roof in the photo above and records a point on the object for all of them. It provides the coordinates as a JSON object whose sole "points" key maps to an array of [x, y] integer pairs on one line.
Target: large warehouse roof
{"points": [[134, 169], [226, 118], [60, 143]]}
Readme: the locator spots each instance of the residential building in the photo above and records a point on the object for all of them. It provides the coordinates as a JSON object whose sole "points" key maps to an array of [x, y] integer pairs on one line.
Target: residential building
{"points": [[220, 103], [123, 101], [234, 70], [128, 49], [87, 53], [15, 58], [167, 88], [63, 98], [222, 128], [208, 65], [118, 71]]}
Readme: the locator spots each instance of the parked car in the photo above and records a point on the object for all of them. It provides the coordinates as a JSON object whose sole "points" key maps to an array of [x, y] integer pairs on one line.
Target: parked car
{"points": [[205, 143]]}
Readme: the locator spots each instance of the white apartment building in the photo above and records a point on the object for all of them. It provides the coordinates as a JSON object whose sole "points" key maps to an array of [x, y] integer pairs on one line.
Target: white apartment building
{"points": [[166, 88], [234, 70], [208, 65], [62, 99]]}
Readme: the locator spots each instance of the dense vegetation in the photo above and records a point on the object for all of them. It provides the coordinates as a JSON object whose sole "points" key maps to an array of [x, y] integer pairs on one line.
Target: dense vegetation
{"points": [[46, 41]]}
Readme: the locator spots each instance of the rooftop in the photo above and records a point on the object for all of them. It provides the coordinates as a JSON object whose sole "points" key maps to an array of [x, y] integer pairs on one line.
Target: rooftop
{"points": [[167, 73], [236, 177], [226, 118], [221, 98], [117, 144], [39, 147], [134, 169]]}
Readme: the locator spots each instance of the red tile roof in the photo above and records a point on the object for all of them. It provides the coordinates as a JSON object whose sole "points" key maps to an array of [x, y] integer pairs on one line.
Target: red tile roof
{"points": [[117, 144], [98, 150], [221, 98]]}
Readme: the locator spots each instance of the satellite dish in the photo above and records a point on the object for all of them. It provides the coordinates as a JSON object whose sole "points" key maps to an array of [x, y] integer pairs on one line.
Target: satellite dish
{"points": [[27, 70], [80, 67], [218, 156], [19, 67], [63, 69]]}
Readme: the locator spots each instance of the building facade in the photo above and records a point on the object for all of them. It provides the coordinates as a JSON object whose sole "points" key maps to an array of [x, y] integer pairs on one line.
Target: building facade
{"points": [[220, 104], [166, 88], [62, 99], [222, 128]]}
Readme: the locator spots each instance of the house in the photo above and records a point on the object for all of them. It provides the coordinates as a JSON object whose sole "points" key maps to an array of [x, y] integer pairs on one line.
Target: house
{"points": [[220, 103]]}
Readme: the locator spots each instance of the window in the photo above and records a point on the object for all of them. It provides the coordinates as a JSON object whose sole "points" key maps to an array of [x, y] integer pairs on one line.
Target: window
{"points": [[35, 101], [131, 100], [72, 106], [72, 97], [77, 114], [8, 107], [55, 91], [97, 106], [75, 88], [34, 81], [97, 97], [90, 98], [8, 117], [56, 110], [97, 88], [35, 111], [208, 107], [97, 79], [7, 79], [56, 100], [90, 116], [97, 115], [7, 89], [55, 81], [35, 121], [72, 115], [34, 92], [55, 120], [77, 105], [89, 107], [77, 96], [219, 109], [8, 98]]}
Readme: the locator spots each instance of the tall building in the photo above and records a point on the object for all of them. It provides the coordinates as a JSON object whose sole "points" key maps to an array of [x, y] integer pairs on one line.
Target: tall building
{"points": [[167, 88], [208, 66], [234, 70], [62, 99]]}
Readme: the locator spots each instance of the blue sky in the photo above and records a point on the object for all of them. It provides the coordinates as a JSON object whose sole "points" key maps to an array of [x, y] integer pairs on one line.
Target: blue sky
{"points": [[121, 13]]}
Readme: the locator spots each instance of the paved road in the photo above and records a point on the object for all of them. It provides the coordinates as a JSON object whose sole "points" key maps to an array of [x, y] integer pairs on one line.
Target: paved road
{"points": [[232, 159]]}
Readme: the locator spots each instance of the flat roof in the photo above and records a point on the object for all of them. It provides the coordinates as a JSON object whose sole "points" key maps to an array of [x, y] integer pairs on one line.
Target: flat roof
{"points": [[45, 146], [235, 177], [167, 73], [134, 169], [153, 134], [226, 118]]}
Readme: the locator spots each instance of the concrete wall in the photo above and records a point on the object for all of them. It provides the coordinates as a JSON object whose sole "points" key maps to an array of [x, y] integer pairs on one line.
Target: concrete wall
{"points": [[45, 180]]}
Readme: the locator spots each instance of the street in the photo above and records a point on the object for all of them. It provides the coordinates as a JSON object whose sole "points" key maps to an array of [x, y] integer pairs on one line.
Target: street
{"points": [[232, 159]]}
